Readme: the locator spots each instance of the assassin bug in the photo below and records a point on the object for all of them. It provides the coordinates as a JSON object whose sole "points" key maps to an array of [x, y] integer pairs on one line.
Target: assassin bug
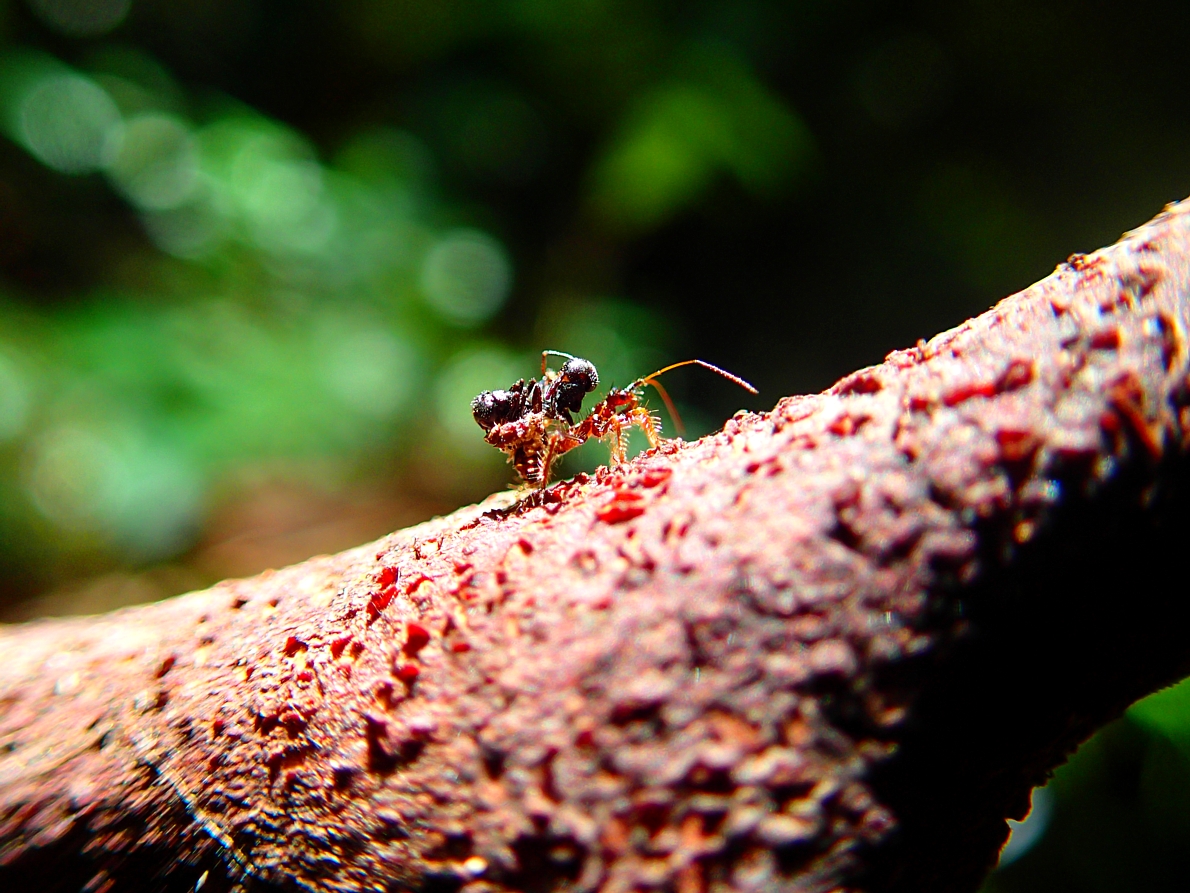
{"points": [[532, 421]]}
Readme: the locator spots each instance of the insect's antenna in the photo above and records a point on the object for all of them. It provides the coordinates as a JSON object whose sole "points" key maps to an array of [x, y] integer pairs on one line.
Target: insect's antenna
{"points": [[648, 379], [553, 353], [669, 404]]}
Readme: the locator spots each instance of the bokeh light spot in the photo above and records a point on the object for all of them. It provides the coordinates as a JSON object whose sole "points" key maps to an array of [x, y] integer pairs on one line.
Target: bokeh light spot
{"points": [[371, 369], [466, 276], [664, 159], [678, 138], [141, 498], [281, 195], [81, 18], [155, 164], [65, 120], [189, 231], [68, 473], [476, 370]]}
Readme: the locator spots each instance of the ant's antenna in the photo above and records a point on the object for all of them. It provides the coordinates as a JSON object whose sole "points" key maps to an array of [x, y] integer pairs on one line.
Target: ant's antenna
{"points": [[554, 353], [652, 380]]}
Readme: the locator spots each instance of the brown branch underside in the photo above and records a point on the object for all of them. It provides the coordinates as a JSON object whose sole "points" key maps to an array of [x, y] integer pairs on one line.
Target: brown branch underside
{"points": [[830, 647]]}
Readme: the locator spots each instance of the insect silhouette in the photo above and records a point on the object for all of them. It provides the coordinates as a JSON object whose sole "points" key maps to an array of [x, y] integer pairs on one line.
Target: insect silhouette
{"points": [[532, 422]]}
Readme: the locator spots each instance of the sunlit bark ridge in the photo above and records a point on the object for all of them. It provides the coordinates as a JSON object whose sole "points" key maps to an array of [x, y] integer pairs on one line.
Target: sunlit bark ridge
{"points": [[831, 647]]}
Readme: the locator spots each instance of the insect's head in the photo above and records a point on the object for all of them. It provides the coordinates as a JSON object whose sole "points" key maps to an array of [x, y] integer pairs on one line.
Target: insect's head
{"points": [[576, 379], [618, 397], [493, 408]]}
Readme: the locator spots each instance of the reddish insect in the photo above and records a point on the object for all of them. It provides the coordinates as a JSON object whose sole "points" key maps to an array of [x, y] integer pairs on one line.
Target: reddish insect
{"points": [[532, 422]]}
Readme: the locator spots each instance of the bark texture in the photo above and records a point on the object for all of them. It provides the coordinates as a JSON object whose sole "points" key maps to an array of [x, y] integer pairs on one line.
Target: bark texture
{"points": [[829, 648]]}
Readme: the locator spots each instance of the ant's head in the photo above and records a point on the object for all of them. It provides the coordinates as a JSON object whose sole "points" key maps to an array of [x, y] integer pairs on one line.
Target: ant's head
{"points": [[493, 408], [576, 379]]}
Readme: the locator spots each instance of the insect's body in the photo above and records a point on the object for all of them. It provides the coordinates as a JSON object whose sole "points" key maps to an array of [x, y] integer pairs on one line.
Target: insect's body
{"points": [[611, 418], [531, 421], [532, 442]]}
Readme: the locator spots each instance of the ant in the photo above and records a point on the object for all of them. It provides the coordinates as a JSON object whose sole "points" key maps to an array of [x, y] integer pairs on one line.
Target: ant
{"points": [[532, 421]]}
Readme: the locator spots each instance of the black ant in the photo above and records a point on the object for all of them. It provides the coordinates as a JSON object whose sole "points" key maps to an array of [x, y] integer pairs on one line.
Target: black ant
{"points": [[532, 421]]}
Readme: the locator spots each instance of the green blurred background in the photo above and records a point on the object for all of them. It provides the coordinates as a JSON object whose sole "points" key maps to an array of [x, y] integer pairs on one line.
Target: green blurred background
{"points": [[257, 256]]}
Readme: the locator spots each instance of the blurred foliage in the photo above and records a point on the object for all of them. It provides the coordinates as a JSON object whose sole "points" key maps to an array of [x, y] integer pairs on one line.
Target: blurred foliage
{"points": [[257, 257]]}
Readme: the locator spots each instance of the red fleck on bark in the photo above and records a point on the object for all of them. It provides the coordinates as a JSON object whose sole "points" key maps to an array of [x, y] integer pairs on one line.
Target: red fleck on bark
{"points": [[831, 647], [379, 601], [623, 506], [407, 673], [417, 637]]}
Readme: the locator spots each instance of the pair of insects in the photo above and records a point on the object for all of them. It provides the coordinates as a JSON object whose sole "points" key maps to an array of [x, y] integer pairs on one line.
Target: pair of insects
{"points": [[532, 422]]}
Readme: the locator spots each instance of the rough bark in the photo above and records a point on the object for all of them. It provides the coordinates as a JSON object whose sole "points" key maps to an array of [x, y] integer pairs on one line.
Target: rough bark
{"points": [[829, 648]]}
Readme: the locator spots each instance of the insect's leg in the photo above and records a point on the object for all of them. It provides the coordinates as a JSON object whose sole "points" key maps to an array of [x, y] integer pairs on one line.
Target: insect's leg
{"points": [[615, 437], [584, 429], [557, 445], [644, 420], [547, 459]]}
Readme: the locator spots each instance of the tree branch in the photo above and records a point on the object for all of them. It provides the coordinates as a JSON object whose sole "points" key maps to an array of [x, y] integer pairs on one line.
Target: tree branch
{"points": [[831, 647]]}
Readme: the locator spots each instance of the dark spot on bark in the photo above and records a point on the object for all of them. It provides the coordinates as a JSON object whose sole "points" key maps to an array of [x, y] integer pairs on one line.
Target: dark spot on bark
{"points": [[416, 638]]}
